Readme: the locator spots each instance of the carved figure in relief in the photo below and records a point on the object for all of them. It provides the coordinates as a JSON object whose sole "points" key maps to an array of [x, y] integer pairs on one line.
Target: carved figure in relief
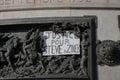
{"points": [[84, 46], [65, 65], [26, 43], [53, 65], [56, 28], [33, 47], [37, 49], [9, 49]]}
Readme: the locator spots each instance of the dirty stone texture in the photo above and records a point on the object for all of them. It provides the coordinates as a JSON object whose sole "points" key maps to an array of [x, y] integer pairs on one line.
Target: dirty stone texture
{"points": [[25, 4], [107, 29], [107, 19], [109, 73]]}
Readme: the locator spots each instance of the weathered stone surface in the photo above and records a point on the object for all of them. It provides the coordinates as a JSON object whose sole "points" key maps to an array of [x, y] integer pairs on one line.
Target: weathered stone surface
{"points": [[36, 4]]}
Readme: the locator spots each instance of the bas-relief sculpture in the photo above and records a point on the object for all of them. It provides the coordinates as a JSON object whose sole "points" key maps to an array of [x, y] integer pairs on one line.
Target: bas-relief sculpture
{"points": [[22, 57], [108, 51]]}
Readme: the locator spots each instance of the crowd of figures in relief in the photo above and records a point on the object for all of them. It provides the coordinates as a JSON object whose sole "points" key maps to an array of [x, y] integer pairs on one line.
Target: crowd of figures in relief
{"points": [[23, 57]]}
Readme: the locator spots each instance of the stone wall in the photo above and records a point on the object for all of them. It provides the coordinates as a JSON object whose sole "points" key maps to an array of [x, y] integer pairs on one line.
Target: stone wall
{"points": [[108, 28]]}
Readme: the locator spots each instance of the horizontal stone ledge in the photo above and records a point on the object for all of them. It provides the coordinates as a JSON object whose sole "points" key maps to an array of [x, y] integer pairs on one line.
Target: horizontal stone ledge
{"points": [[39, 4]]}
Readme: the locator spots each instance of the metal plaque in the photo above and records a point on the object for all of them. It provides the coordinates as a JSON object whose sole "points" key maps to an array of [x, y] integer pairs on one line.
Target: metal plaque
{"points": [[47, 48]]}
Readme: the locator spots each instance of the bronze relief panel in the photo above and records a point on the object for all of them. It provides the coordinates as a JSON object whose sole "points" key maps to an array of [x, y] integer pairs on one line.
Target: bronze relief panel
{"points": [[23, 46]]}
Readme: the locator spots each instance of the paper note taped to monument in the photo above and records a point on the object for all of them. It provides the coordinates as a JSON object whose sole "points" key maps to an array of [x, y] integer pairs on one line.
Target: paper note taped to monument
{"points": [[65, 43]]}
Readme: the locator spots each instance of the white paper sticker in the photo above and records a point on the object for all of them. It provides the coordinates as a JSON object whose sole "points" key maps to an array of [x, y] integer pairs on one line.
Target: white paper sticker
{"points": [[64, 43]]}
